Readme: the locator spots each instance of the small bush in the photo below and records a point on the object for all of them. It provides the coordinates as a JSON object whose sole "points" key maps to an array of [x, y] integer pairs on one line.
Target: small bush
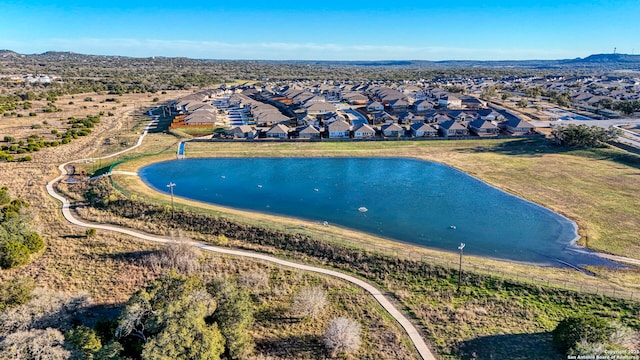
{"points": [[342, 336], [309, 302], [178, 256], [15, 292], [33, 242], [91, 232]]}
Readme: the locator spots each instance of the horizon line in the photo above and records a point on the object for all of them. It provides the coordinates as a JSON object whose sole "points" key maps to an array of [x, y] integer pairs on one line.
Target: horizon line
{"points": [[303, 60]]}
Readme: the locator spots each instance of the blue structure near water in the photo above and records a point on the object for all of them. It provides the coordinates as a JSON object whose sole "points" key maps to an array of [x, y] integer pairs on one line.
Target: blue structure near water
{"points": [[181, 150]]}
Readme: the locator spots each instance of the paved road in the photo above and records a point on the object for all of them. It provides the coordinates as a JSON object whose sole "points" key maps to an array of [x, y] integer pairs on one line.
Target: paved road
{"points": [[411, 330]]}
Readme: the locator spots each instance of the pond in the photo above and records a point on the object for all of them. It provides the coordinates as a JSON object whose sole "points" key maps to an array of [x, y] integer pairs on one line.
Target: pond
{"points": [[407, 200]]}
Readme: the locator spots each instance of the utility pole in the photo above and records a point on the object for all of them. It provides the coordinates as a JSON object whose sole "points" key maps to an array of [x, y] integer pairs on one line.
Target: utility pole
{"points": [[460, 268], [170, 186]]}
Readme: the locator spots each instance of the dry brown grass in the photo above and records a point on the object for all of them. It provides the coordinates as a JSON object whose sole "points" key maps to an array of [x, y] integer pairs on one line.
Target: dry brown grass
{"points": [[110, 266]]}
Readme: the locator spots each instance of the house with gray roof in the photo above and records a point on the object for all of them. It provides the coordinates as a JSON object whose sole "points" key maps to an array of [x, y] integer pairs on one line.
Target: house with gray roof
{"points": [[392, 130], [399, 104], [200, 118], [363, 131], [374, 106], [423, 130], [490, 114], [338, 129], [450, 101], [422, 105], [453, 128], [440, 118], [318, 108], [278, 131], [483, 128], [243, 132], [381, 117], [517, 126], [309, 132]]}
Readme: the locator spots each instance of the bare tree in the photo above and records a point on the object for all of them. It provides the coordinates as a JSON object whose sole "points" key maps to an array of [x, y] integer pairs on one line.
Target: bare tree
{"points": [[342, 336], [309, 302], [46, 309], [254, 281], [179, 256], [34, 344]]}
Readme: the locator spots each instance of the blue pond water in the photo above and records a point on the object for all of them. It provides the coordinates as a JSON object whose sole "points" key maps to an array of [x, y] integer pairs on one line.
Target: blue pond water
{"points": [[408, 200]]}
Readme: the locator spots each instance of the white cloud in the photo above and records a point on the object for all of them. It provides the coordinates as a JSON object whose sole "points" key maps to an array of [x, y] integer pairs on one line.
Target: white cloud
{"points": [[276, 50]]}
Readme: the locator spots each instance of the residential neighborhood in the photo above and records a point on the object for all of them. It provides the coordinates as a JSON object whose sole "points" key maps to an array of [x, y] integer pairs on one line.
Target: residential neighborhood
{"points": [[308, 110]]}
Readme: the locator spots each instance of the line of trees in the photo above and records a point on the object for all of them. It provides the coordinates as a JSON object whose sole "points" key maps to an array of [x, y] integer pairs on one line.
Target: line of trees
{"points": [[584, 135], [18, 241]]}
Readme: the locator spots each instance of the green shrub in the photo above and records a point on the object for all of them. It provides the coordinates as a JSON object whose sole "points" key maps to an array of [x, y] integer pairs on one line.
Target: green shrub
{"points": [[4, 195], [91, 232], [581, 329], [83, 339], [13, 253], [33, 241], [15, 292]]}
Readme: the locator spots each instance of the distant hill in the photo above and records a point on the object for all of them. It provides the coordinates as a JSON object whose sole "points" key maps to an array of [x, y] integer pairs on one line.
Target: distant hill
{"points": [[597, 62], [8, 53], [606, 58]]}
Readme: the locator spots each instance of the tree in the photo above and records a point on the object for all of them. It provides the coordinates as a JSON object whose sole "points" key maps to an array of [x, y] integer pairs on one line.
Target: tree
{"points": [[628, 107], [342, 336], [13, 253], [45, 309], [84, 339], [581, 329], [167, 320], [185, 335], [234, 316], [309, 302], [522, 103], [583, 135], [34, 345]]}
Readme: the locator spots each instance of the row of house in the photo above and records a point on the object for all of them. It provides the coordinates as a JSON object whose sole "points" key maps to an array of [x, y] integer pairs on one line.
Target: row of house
{"points": [[341, 129]]}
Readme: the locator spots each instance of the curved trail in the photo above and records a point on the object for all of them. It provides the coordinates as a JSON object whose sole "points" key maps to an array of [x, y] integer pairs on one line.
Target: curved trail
{"points": [[410, 329]]}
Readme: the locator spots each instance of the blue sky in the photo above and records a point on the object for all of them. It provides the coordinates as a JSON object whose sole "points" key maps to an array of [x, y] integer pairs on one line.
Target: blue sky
{"points": [[324, 29]]}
